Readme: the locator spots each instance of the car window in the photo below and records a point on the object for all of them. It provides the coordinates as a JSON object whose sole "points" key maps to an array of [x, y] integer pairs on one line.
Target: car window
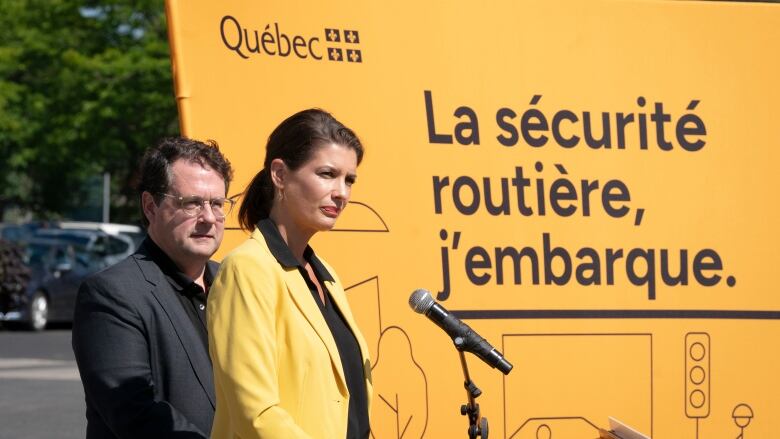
{"points": [[63, 255], [117, 246], [46, 254], [137, 238], [36, 254], [73, 238], [100, 246], [87, 259]]}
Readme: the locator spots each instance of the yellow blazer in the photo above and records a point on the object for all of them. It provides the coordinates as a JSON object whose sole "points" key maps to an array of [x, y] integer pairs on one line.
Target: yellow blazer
{"points": [[277, 370]]}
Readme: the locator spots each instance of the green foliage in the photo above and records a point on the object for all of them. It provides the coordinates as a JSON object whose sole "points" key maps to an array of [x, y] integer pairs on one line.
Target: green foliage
{"points": [[85, 87], [14, 274]]}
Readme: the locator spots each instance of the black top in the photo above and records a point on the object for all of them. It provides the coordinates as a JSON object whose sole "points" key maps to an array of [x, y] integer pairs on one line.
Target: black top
{"points": [[191, 295], [349, 350]]}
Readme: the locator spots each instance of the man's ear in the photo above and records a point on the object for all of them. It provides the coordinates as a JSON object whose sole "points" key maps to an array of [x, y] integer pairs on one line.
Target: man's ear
{"points": [[278, 173], [148, 205]]}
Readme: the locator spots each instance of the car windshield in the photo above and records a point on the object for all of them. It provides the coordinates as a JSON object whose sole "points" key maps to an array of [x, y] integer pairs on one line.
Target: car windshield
{"points": [[69, 237], [47, 254]]}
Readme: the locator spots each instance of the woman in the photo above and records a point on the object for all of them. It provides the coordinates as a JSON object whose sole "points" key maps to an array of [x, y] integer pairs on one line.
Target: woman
{"points": [[289, 361]]}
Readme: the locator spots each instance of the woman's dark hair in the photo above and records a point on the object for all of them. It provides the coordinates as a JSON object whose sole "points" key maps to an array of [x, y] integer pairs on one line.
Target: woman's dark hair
{"points": [[294, 141], [155, 166]]}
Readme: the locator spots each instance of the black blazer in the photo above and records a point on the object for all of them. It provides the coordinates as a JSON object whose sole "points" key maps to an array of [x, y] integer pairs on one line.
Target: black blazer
{"points": [[145, 370]]}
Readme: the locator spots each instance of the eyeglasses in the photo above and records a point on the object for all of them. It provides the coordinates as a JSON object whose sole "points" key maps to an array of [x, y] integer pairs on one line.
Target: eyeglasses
{"points": [[193, 205]]}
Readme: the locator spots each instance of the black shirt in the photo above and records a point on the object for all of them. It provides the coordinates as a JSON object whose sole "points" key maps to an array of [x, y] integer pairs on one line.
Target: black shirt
{"points": [[191, 295], [349, 350]]}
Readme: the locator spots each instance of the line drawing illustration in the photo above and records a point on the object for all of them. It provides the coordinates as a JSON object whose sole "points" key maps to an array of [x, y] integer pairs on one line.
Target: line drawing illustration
{"points": [[742, 415], [565, 405], [400, 385]]}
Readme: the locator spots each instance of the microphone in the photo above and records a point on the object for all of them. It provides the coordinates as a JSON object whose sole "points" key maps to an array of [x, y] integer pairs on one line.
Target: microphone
{"points": [[462, 335]]}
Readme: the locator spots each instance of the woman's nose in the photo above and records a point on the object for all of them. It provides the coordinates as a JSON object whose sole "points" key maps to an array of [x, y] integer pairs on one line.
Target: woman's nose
{"points": [[341, 190]]}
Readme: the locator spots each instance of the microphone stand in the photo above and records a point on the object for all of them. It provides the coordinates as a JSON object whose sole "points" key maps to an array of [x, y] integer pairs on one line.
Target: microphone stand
{"points": [[478, 426]]}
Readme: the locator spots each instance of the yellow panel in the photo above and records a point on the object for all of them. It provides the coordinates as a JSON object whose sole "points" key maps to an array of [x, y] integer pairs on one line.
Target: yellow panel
{"points": [[659, 308]]}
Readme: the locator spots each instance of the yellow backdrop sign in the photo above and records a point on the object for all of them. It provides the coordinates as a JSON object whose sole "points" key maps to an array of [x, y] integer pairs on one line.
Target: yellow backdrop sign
{"points": [[592, 186]]}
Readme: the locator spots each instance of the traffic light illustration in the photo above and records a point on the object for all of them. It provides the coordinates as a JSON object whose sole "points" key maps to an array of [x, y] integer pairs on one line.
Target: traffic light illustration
{"points": [[697, 375]]}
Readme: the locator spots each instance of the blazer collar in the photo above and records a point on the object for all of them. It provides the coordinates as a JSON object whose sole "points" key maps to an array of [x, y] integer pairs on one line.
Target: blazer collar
{"points": [[165, 295], [284, 256]]}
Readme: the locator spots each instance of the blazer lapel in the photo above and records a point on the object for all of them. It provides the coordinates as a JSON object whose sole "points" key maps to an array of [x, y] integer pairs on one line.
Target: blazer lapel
{"points": [[340, 300], [165, 295], [301, 294]]}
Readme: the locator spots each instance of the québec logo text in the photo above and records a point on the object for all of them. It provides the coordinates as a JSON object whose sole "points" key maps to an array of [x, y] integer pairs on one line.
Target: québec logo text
{"points": [[333, 44]]}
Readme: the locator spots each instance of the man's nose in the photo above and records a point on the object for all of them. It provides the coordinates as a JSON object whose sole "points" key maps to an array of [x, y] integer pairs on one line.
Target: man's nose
{"points": [[207, 214]]}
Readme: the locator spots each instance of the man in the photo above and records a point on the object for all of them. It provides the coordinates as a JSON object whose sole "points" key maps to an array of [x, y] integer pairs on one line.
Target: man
{"points": [[139, 330]]}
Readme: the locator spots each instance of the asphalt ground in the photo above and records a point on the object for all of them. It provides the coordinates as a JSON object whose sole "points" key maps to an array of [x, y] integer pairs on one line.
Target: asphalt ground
{"points": [[40, 391]]}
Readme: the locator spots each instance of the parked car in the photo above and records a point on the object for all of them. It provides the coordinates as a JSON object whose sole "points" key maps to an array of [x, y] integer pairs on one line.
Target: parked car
{"points": [[110, 249], [57, 268], [59, 256], [20, 232], [136, 233]]}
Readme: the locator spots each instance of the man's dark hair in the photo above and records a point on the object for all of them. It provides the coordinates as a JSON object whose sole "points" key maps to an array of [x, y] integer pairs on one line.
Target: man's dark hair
{"points": [[155, 167]]}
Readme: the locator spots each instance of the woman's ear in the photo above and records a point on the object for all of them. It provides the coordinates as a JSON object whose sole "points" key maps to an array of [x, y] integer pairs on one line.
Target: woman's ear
{"points": [[278, 173]]}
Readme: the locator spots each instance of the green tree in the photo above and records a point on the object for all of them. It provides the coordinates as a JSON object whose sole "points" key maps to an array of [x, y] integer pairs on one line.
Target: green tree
{"points": [[85, 87]]}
